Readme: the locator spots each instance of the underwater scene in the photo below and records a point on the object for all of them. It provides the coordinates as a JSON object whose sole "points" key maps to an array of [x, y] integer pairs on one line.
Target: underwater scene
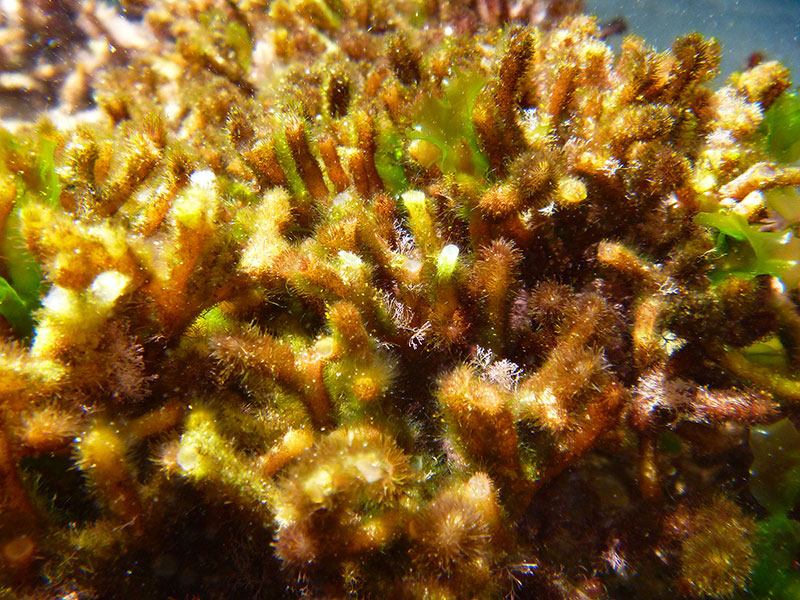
{"points": [[399, 299]]}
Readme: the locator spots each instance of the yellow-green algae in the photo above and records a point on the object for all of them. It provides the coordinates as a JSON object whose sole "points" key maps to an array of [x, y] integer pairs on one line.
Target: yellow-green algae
{"points": [[413, 299]]}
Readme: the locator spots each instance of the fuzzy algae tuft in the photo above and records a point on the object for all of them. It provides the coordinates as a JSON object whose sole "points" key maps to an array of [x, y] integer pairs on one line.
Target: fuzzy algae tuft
{"points": [[415, 299]]}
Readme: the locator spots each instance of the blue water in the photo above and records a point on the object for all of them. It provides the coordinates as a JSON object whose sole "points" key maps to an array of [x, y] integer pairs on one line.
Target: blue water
{"points": [[742, 26]]}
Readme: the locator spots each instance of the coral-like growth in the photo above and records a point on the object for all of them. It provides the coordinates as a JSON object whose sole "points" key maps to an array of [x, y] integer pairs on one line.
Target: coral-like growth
{"points": [[417, 299], [716, 549]]}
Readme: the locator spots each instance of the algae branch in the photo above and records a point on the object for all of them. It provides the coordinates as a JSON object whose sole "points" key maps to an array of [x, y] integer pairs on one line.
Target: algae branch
{"points": [[412, 299]]}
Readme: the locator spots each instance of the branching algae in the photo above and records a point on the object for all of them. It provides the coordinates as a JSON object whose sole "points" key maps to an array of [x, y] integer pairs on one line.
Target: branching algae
{"points": [[412, 300]]}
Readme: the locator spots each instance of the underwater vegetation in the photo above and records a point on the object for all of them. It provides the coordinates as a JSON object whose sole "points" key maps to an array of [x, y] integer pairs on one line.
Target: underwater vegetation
{"points": [[420, 299]]}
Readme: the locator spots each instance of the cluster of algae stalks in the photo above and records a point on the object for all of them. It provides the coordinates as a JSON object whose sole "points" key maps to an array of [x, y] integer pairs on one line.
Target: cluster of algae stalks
{"points": [[413, 299]]}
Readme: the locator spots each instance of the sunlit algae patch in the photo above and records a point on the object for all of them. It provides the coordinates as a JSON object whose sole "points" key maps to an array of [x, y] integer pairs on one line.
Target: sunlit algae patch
{"points": [[363, 299]]}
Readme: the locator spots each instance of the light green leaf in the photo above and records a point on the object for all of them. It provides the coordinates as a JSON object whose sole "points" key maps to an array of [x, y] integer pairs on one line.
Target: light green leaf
{"points": [[447, 123], [14, 309], [759, 253]]}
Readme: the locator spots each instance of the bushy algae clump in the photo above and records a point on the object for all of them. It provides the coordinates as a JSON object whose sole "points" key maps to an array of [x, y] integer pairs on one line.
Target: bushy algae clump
{"points": [[416, 300]]}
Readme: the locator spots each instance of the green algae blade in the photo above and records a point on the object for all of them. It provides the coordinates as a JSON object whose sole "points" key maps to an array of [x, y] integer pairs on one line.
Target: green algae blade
{"points": [[14, 309], [781, 128], [775, 472], [447, 123], [747, 252]]}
